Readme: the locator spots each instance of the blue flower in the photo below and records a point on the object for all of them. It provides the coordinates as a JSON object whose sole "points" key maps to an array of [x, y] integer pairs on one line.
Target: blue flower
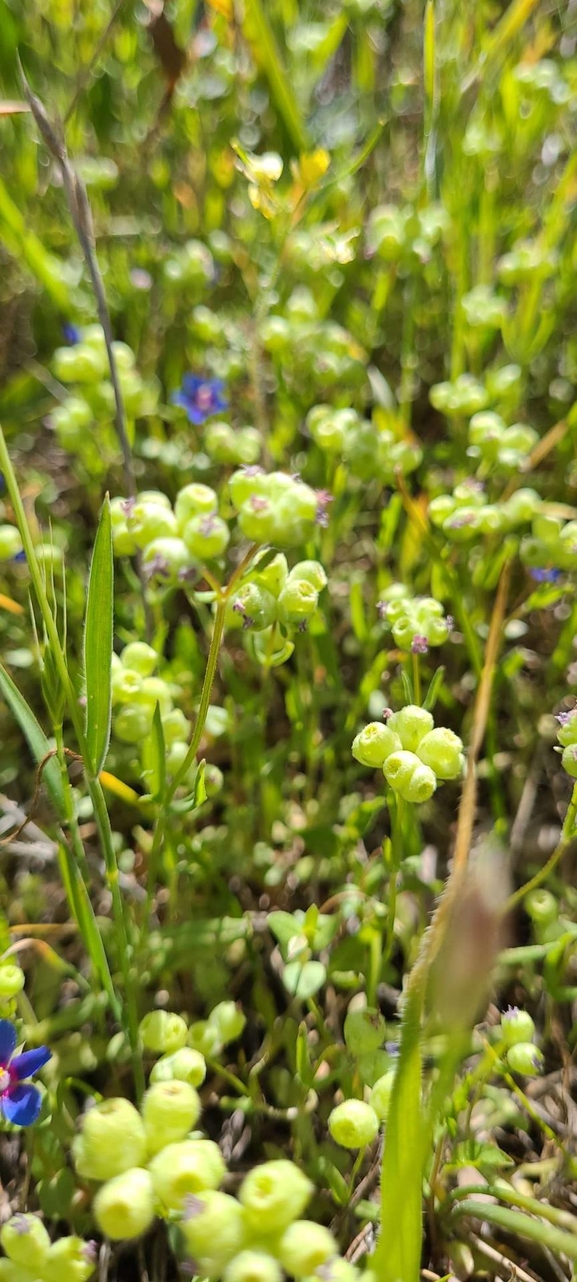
{"points": [[545, 576], [200, 397], [20, 1100], [71, 333]]}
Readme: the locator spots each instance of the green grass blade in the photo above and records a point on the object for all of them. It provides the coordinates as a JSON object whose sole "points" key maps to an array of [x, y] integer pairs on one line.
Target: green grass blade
{"points": [[36, 739], [25, 244], [259, 34], [551, 1238], [79, 900], [98, 636]]}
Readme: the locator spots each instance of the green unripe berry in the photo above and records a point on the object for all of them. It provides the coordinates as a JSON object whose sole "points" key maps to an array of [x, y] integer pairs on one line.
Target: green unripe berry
{"points": [[163, 1032], [147, 521], [441, 508], [179, 1170], [516, 1026], [364, 1030], [305, 1247], [257, 519], [374, 744], [525, 1058], [153, 691], [79, 364], [169, 1111], [12, 981], [567, 732], [166, 560], [26, 1241], [296, 515], [297, 601], [132, 724], [411, 724], [228, 1020], [442, 751], [206, 536], [245, 484], [569, 760], [194, 500], [312, 571], [273, 1194], [214, 1227], [139, 657], [252, 1266], [203, 1037], [112, 1140], [274, 575], [408, 776], [542, 907], [353, 1124], [125, 685], [175, 727], [254, 607], [70, 1259], [124, 1207], [381, 1094], [10, 542], [185, 1065]]}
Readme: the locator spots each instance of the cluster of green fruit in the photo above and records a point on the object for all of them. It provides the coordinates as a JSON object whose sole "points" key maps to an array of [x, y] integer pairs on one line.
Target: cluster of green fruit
{"points": [[466, 395], [416, 622], [413, 755], [91, 407], [31, 1257], [466, 513], [567, 739], [552, 542], [395, 231], [495, 443], [368, 449], [236, 447], [273, 601], [308, 351]]}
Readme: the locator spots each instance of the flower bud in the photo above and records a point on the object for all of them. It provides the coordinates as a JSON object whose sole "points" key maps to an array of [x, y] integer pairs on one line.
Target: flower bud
{"points": [[411, 724], [442, 751], [273, 1194], [374, 744], [194, 500], [139, 657], [228, 1020], [111, 1141], [297, 601], [163, 1032], [381, 1094], [542, 907], [124, 1207], [185, 1065], [70, 1259], [569, 760], [305, 1247], [191, 1166], [312, 571], [516, 1026], [364, 1030], [206, 536], [26, 1241], [408, 776], [12, 980], [214, 1227], [169, 1110], [353, 1124], [525, 1058], [252, 1266]]}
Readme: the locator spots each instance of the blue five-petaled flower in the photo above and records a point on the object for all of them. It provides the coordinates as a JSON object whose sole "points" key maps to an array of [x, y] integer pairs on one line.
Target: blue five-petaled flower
{"points": [[200, 397], [20, 1100]]}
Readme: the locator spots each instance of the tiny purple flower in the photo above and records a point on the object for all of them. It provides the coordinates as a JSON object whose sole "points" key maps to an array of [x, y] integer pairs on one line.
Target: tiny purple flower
{"points": [[542, 575], [382, 609], [200, 397], [20, 1100], [20, 557], [419, 644], [564, 717], [71, 333]]}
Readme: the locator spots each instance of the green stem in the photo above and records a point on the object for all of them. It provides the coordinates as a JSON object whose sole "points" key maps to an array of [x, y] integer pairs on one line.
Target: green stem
{"points": [[567, 834]]}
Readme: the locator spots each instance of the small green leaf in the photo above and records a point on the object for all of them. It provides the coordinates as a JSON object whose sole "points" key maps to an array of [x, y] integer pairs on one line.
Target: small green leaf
{"points": [[154, 757], [98, 637], [36, 739], [304, 980], [200, 793], [283, 926]]}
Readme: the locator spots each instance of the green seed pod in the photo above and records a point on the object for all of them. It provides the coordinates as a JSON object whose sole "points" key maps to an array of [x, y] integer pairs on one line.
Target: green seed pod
{"points": [[411, 724], [214, 1228], [125, 685], [229, 1022], [206, 537], [166, 561], [516, 1026], [139, 657], [194, 500], [204, 1037], [132, 724], [124, 1207], [542, 907], [153, 691], [569, 760], [408, 776], [436, 631], [567, 732], [353, 1124], [521, 506], [296, 514], [10, 542], [175, 727], [11, 1272], [70, 1259], [79, 364], [404, 631], [248, 445], [374, 744], [179, 1170], [257, 519], [381, 1094], [111, 1141], [12, 981], [442, 750], [220, 443], [169, 1111], [255, 606], [305, 1247], [26, 1241], [525, 1058], [273, 1194], [441, 508], [364, 1030], [252, 1266], [185, 1065], [274, 575], [298, 601], [312, 571], [148, 520], [247, 483], [162, 1032]]}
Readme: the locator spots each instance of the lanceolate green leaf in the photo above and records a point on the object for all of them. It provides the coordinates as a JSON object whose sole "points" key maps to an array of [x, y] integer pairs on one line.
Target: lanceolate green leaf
{"points": [[36, 739], [98, 636]]}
